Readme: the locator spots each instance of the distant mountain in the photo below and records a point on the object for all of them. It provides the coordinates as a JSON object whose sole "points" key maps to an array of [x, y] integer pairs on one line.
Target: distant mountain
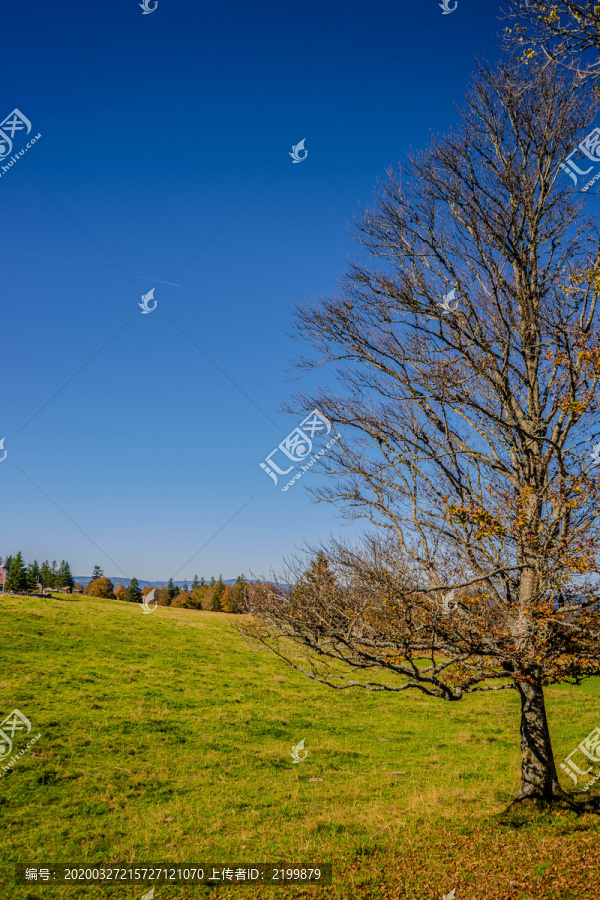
{"points": [[85, 580]]}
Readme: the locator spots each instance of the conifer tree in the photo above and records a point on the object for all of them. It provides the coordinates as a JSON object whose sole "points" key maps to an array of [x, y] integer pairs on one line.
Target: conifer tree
{"points": [[17, 575], [58, 582], [218, 591], [46, 577], [60, 579], [97, 573], [195, 583], [236, 600], [133, 593], [65, 578], [33, 575], [31, 580]]}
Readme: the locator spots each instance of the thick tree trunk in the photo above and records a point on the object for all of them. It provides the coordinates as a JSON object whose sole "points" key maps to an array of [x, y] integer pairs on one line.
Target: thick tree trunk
{"points": [[539, 781]]}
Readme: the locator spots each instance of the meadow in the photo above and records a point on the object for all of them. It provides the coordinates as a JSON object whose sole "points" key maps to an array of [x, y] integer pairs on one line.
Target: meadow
{"points": [[166, 738]]}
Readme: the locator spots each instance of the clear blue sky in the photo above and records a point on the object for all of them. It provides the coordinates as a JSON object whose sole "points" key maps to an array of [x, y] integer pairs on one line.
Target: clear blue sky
{"points": [[165, 154]]}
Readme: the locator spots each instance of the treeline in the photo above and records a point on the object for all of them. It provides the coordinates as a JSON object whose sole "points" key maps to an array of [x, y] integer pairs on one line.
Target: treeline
{"points": [[213, 595], [22, 577]]}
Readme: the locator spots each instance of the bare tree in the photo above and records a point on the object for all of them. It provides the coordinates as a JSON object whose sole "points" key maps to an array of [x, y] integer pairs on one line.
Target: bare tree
{"points": [[561, 31], [466, 423]]}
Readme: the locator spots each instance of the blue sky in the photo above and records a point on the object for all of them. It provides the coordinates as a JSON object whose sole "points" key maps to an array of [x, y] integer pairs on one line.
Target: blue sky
{"points": [[134, 441]]}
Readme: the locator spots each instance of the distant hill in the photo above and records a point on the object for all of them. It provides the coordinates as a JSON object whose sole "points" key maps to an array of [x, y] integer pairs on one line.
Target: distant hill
{"points": [[85, 580]]}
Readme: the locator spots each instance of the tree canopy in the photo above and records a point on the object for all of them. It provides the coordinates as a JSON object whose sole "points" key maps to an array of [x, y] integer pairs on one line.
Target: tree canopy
{"points": [[465, 426]]}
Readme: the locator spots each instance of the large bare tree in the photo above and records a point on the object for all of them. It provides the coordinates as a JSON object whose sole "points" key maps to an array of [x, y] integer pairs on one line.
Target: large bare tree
{"points": [[465, 364]]}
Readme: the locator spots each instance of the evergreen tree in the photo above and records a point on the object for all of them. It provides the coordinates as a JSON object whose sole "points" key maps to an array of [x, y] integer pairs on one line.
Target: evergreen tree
{"points": [[64, 577], [195, 583], [7, 562], [58, 582], [212, 581], [202, 582], [185, 587], [46, 577], [172, 590], [237, 595], [33, 575], [133, 592], [97, 573], [219, 590], [17, 575]]}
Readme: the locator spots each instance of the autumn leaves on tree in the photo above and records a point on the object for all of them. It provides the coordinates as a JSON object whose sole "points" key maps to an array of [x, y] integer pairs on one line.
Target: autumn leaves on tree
{"points": [[465, 434], [562, 32], [215, 596]]}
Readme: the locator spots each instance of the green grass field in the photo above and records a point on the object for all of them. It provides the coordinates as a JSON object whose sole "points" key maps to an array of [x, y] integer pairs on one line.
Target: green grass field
{"points": [[166, 738]]}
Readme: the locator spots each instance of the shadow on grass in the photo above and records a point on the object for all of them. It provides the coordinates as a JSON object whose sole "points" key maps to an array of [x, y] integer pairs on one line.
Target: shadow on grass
{"points": [[521, 814]]}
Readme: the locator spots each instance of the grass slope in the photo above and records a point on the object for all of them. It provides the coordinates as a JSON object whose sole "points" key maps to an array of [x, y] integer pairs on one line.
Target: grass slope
{"points": [[166, 739]]}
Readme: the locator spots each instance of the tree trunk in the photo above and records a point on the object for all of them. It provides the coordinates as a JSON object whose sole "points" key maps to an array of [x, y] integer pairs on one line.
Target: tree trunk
{"points": [[539, 781]]}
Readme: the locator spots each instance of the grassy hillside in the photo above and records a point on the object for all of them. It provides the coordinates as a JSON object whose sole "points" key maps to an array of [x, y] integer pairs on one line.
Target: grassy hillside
{"points": [[165, 738]]}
